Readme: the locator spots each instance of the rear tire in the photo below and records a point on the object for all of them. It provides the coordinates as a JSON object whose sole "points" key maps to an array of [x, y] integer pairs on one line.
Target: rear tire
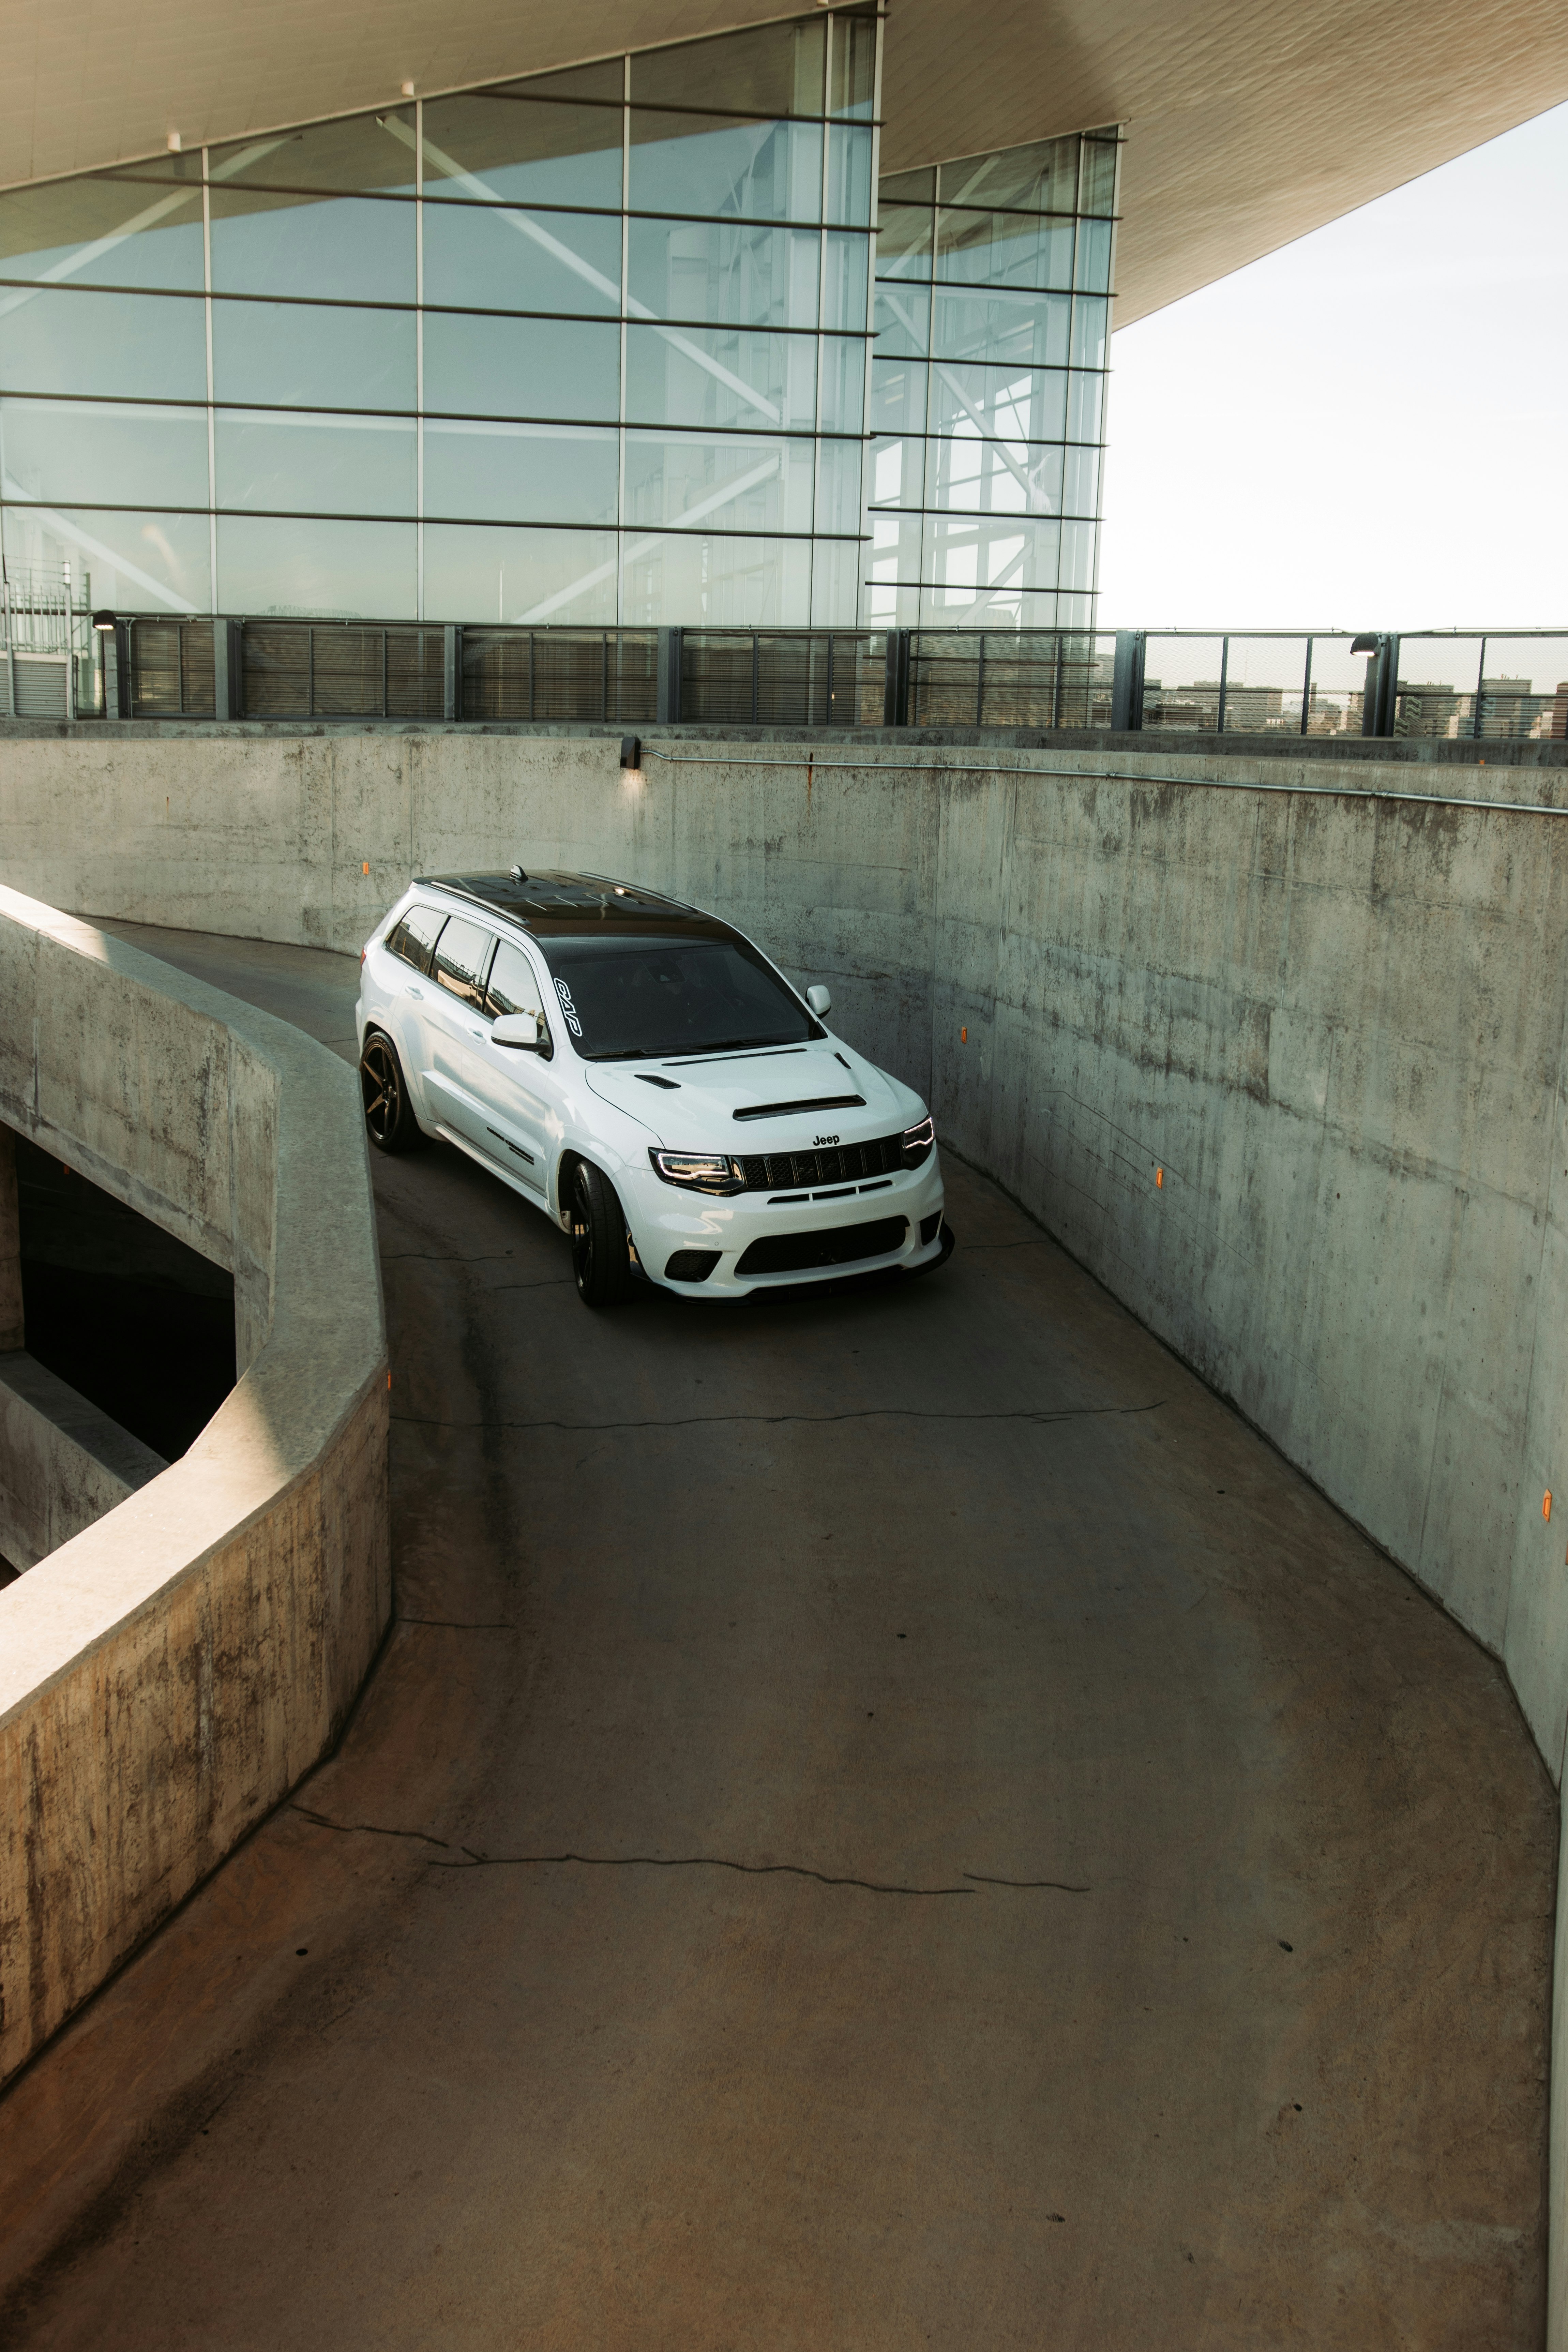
{"points": [[601, 1258], [389, 1119]]}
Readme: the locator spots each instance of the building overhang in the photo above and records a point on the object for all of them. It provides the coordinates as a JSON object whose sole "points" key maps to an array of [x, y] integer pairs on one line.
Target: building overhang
{"points": [[1244, 128]]}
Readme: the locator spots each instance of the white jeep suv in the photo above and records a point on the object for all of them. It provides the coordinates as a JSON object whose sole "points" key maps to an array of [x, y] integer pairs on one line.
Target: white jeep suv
{"points": [[642, 1072]]}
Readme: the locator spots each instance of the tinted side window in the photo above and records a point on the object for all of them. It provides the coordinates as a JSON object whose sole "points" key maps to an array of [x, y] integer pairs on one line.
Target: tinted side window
{"points": [[461, 960], [513, 988], [415, 935]]}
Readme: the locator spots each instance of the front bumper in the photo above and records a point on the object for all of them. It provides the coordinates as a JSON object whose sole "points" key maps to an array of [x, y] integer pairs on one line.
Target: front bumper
{"points": [[665, 1219]]}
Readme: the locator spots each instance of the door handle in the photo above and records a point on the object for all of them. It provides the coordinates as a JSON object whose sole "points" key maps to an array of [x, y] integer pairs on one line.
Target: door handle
{"points": [[419, 993], [476, 1033]]}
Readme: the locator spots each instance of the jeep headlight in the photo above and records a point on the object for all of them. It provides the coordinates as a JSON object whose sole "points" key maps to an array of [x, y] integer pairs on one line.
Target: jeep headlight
{"points": [[699, 1172]]}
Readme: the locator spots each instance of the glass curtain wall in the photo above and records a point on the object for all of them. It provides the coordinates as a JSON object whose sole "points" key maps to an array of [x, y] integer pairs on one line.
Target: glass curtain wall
{"points": [[588, 347], [988, 371]]}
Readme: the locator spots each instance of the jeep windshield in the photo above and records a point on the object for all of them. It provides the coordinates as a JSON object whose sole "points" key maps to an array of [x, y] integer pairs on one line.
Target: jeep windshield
{"points": [[641, 999]]}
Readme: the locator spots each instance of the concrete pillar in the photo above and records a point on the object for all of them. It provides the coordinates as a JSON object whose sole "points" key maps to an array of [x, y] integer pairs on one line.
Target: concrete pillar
{"points": [[12, 1331]]}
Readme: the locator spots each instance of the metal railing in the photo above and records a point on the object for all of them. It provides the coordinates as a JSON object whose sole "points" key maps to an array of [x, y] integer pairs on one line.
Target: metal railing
{"points": [[49, 663], [1459, 685]]}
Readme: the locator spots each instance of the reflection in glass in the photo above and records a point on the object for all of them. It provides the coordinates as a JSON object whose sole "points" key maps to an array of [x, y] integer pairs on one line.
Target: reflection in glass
{"points": [[507, 260], [843, 406], [523, 473], [898, 396], [1001, 404], [995, 477], [1524, 688], [480, 366], [1079, 542], [896, 476], [846, 289], [737, 483], [1040, 178], [1027, 328], [519, 151], [102, 232], [1181, 682], [720, 377], [141, 346], [835, 584], [304, 356], [838, 487], [975, 248], [964, 556], [272, 564], [359, 154], [1086, 407], [903, 239], [902, 321], [896, 546], [757, 171], [1080, 488], [142, 562], [58, 449], [476, 572], [724, 583], [775, 69], [1097, 185], [292, 464], [1264, 677], [848, 176], [345, 249], [852, 80], [750, 274], [1090, 327], [1093, 266]]}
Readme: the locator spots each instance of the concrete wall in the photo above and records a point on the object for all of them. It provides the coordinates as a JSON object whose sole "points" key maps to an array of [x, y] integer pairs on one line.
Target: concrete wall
{"points": [[168, 1673], [1333, 1024], [63, 1464]]}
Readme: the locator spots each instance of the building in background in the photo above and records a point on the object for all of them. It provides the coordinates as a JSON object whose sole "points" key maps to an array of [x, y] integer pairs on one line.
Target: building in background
{"points": [[803, 323]]}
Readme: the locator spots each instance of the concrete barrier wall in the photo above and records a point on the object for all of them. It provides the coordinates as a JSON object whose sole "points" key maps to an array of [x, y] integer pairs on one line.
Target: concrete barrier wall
{"points": [[167, 1675], [63, 1464], [1283, 1065]]}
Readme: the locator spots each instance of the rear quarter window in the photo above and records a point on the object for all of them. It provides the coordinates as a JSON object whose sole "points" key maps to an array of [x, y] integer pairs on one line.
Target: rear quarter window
{"points": [[413, 938]]}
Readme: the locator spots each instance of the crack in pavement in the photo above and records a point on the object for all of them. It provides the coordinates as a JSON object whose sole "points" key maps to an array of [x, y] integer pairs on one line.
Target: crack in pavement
{"points": [[1061, 1884], [473, 1860], [1040, 1414], [462, 1624]]}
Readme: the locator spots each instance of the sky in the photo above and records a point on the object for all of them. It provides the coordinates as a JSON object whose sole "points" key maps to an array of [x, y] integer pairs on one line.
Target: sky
{"points": [[1367, 429]]}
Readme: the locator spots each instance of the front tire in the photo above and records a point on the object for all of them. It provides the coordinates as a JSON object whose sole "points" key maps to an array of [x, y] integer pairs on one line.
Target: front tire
{"points": [[601, 1260], [389, 1119]]}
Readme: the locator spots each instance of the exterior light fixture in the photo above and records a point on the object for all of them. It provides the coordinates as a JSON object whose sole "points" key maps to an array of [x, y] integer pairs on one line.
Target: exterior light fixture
{"points": [[174, 142], [408, 89], [104, 624], [1367, 643], [631, 758]]}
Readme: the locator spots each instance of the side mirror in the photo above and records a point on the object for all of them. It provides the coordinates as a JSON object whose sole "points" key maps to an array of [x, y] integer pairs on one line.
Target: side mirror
{"points": [[820, 1001], [518, 1029]]}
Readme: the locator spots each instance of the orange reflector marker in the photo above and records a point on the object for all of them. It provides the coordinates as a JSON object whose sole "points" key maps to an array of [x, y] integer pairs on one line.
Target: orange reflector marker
{"points": [[365, 867], [1546, 1504], [1159, 1179], [963, 1037], [389, 1379]]}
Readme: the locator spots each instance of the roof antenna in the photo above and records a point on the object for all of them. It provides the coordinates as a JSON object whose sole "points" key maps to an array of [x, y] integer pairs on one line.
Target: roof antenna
{"points": [[518, 874]]}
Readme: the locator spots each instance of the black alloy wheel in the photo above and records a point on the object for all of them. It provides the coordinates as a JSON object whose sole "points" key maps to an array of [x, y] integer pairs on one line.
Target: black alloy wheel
{"points": [[388, 1114], [601, 1254]]}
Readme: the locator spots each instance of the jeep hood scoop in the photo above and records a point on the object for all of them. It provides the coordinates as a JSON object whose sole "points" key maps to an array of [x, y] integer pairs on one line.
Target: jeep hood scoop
{"points": [[738, 1104]]}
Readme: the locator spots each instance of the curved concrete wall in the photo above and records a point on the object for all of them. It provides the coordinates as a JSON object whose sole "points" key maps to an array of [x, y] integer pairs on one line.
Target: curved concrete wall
{"points": [[1335, 1026], [167, 1675]]}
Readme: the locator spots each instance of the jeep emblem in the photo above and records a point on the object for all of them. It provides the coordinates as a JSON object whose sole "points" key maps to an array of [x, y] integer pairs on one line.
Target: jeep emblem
{"points": [[817, 1140]]}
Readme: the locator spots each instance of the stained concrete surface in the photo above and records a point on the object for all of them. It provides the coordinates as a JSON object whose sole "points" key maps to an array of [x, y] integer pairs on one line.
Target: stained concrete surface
{"points": [[895, 1819]]}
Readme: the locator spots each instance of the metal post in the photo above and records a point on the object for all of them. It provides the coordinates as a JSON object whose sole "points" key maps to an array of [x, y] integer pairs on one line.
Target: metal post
{"points": [[1127, 681], [1306, 687], [1224, 676], [896, 687], [980, 682], [122, 670], [1480, 681], [666, 706], [451, 671], [756, 643]]}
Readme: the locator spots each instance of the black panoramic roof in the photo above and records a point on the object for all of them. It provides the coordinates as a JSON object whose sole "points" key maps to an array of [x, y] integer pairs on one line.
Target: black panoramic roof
{"points": [[554, 905]]}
